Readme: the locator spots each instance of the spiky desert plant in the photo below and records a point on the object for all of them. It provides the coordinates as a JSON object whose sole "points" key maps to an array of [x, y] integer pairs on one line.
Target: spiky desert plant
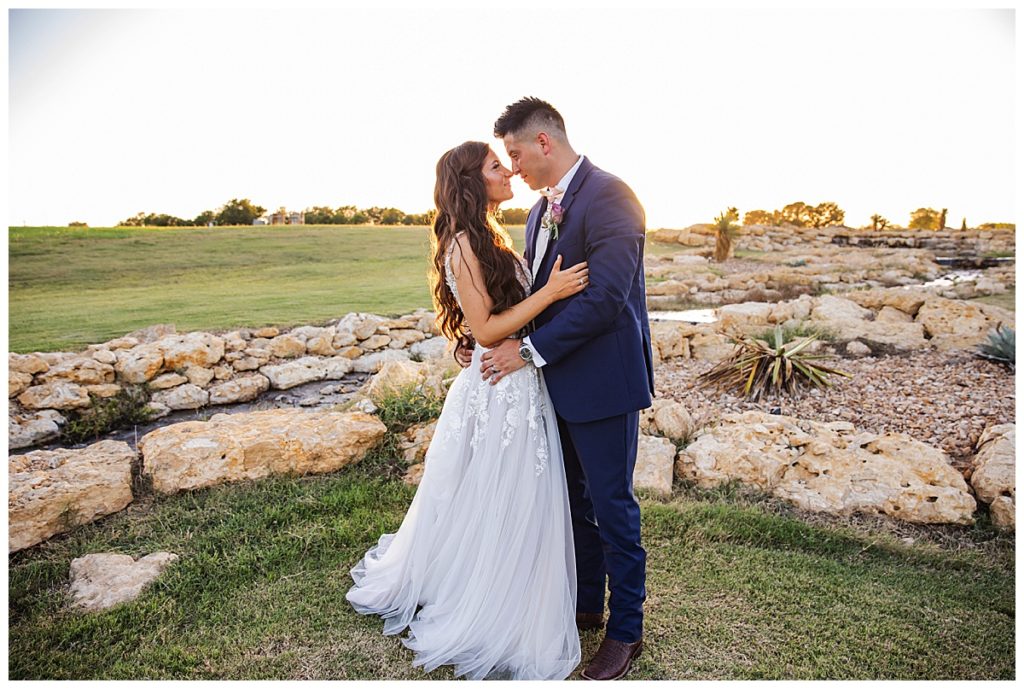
{"points": [[1001, 347], [757, 367]]}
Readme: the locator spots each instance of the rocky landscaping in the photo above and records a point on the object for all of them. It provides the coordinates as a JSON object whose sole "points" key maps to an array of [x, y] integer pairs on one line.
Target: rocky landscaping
{"points": [[922, 430]]}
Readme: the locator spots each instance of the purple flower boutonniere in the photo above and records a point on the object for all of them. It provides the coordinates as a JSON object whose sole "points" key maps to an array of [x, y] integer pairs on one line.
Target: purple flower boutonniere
{"points": [[552, 217]]}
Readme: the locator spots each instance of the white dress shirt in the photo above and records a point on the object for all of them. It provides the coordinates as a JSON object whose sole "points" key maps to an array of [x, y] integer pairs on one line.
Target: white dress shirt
{"points": [[542, 245]]}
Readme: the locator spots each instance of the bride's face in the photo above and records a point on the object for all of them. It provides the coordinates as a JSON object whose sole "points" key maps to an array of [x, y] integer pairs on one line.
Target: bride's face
{"points": [[496, 179]]}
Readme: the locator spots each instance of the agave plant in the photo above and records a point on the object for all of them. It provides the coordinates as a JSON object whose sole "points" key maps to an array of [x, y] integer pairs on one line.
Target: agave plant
{"points": [[1001, 347], [758, 366]]}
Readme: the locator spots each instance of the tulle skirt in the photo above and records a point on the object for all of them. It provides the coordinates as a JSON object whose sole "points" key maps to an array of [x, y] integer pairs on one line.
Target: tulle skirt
{"points": [[481, 572]]}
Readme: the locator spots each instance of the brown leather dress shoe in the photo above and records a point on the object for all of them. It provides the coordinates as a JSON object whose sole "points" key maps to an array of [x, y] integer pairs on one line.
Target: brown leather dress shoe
{"points": [[586, 621], [613, 659]]}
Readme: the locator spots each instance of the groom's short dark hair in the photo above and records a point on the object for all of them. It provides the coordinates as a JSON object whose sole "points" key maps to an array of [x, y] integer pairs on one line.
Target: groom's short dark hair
{"points": [[529, 113]]}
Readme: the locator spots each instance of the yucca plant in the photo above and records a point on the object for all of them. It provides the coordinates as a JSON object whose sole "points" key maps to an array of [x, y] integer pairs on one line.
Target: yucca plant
{"points": [[758, 367], [1001, 347]]}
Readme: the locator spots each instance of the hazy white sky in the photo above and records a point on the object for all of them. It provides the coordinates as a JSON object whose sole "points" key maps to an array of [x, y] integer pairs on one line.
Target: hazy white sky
{"points": [[117, 111]]}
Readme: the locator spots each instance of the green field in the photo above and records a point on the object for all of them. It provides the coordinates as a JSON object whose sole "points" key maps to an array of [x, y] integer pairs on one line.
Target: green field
{"points": [[72, 287], [739, 587]]}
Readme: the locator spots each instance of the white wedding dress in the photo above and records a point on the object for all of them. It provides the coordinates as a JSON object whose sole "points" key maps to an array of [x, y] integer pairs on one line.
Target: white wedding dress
{"points": [[486, 547]]}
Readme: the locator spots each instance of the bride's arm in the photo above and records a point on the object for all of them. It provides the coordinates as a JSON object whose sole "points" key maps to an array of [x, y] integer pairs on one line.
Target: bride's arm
{"points": [[491, 328]]}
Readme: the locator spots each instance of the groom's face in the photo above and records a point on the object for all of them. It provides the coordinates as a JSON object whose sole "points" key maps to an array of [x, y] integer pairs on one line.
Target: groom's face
{"points": [[528, 159]]}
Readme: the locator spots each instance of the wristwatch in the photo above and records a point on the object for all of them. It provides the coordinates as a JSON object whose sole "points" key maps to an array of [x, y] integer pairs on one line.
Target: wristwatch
{"points": [[525, 353]]}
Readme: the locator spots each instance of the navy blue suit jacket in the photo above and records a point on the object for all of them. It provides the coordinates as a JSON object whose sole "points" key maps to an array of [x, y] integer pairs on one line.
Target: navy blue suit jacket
{"points": [[597, 343]]}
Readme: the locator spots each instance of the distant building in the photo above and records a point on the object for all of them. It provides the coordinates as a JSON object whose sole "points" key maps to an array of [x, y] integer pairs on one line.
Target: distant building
{"points": [[285, 217], [261, 221]]}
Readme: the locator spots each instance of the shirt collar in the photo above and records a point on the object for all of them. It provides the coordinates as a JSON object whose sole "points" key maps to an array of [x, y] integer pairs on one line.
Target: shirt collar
{"points": [[563, 183]]}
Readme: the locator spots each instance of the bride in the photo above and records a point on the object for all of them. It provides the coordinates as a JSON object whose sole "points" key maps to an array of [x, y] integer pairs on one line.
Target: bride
{"points": [[482, 571]]}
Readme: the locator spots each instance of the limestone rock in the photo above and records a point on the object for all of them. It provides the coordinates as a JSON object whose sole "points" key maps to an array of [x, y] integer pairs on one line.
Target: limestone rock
{"points": [[199, 376], [415, 441], [361, 325], [669, 339], [371, 363], [186, 396], [235, 447], [104, 390], [57, 395], [906, 300], [414, 474], [28, 429], [833, 469], [104, 356], [139, 364], [17, 382], [287, 346], [857, 348], [102, 580], [167, 380], [393, 377], [748, 313], [654, 460], [240, 389], [191, 349], [711, 346], [292, 373], [52, 491], [430, 348], [80, 370], [322, 343], [26, 363], [890, 314], [673, 421], [402, 338], [268, 332], [830, 308], [952, 323], [375, 342], [336, 367], [994, 472]]}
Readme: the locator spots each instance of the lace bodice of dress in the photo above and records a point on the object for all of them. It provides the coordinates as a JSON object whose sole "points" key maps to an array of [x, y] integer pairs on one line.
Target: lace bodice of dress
{"points": [[523, 273]]}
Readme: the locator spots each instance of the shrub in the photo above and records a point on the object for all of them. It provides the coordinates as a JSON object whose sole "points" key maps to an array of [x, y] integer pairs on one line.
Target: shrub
{"points": [[1001, 347], [127, 408], [758, 367]]}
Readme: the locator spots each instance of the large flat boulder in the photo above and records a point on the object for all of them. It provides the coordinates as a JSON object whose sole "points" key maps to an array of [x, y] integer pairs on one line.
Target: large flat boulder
{"points": [[51, 491], [830, 467], [238, 447]]}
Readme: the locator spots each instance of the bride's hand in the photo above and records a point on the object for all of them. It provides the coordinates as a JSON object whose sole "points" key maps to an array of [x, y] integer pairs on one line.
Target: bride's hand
{"points": [[565, 283]]}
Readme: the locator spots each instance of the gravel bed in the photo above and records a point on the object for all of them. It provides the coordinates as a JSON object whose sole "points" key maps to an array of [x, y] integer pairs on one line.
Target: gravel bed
{"points": [[943, 398]]}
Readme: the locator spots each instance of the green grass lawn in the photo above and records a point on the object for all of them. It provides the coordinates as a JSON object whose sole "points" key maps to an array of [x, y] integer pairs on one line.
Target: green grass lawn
{"points": [[72, 287], [739, 587], [1005, 300]]}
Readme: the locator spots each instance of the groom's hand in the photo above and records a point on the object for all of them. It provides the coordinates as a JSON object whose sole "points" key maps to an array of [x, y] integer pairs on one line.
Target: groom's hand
{"points": [[501, 361], [463, 355]]}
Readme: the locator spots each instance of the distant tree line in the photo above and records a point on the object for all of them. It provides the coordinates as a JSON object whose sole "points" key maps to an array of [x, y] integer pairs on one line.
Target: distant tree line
{"points": [[800, 214], [244, 212]]}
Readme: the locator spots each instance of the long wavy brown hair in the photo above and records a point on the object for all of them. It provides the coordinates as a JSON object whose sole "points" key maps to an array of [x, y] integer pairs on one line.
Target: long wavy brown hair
{"points": [[460, 196]]}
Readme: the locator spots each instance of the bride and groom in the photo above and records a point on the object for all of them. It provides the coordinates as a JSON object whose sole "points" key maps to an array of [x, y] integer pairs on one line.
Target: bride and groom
{"points": [[525, 514]]}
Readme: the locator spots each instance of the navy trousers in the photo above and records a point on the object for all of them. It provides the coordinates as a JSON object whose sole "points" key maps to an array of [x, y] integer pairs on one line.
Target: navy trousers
{"points": [[599, 460]]}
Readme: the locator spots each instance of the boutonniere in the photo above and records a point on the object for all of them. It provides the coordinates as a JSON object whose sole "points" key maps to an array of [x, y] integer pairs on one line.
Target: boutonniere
{"points": [[552, 217]]}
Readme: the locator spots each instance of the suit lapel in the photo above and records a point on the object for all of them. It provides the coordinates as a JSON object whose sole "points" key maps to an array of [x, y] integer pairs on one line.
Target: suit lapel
{"points": [[567, 198]]}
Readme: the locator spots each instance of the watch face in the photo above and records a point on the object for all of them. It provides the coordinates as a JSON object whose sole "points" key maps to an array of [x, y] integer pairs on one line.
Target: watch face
{"points": [[525, 353]]}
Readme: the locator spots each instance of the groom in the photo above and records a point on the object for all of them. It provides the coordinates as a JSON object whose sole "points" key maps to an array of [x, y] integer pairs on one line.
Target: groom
{"points": [[595, 350]]}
